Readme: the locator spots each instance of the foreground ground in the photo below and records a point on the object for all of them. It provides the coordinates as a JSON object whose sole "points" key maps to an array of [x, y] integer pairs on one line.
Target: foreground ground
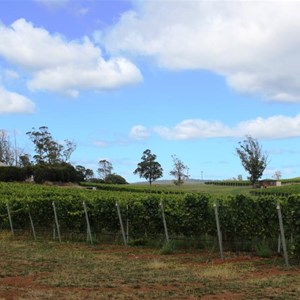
{"points": [[49, 270]]}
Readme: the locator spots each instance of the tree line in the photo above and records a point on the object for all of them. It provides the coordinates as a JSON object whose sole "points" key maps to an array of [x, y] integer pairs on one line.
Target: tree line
{"points": [[51, 162]]}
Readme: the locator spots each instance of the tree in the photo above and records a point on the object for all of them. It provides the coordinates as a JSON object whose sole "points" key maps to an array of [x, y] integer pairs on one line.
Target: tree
{"points": [[180, 171], [24, 160], [277, 175], [47, 150], [149, 168], [6, 149], [83, 173], [252, 158], [105, 168]]}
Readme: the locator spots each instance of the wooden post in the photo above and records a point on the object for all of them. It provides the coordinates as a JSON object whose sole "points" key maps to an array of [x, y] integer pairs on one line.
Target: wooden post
{"points": [[31, 222], [10, 219], [121, 224], [216, 208], [285, 253], [127, 224], [56, 222], [164, 222], [89, 233]]}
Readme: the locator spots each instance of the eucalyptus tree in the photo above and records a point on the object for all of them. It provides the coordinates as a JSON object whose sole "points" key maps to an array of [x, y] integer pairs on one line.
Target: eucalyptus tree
{"points": [[47, 150], [180, 171], [253, 159], [149, 168]]}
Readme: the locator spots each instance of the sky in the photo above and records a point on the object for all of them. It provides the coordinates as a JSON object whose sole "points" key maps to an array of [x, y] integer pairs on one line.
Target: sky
{"points": [[185, 78]]}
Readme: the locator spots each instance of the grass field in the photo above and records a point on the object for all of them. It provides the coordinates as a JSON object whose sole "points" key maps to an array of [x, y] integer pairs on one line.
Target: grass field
{"points": [[49, 270]]}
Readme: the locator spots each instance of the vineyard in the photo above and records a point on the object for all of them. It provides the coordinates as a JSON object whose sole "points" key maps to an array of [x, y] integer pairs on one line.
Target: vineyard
{"points": [[245, 220]]}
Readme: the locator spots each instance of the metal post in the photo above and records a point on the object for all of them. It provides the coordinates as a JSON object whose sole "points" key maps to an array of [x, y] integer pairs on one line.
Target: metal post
{"points": [[216, 208], [56, 222], [89, 233], [282, 235], [121, 224], [10, 220], [31, 222], [164, 222]]}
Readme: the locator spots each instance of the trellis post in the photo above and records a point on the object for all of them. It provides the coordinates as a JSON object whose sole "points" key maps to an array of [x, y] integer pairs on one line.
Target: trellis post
{"points": [[121, 224], [10, 219], [89, 233], [216, 208], [56, 222], [164, 222], [31, 222], [283, 241]]}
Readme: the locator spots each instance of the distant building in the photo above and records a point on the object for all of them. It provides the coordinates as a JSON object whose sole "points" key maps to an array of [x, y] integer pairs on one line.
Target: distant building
{"points": [[269, 182]]}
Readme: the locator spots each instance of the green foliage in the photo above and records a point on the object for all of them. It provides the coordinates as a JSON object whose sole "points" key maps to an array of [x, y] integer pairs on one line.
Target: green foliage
{"points": [[59, 173], [262, 249], [115, 179], [243, 218], [167, 248], [10, 174], [252, 158], [149, 168]]}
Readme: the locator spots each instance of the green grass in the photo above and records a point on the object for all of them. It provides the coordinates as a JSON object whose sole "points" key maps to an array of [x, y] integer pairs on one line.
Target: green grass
{"points": [[48, 270], [198, 188]]}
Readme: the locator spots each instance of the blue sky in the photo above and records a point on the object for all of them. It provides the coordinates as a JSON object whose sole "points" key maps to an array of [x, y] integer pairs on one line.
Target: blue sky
{"points": [[190, 78]]}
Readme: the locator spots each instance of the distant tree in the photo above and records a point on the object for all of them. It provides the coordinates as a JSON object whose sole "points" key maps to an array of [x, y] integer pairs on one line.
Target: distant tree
{"points": [[89, 174], [6, 149], [180, 171], [240, 177], [149, 168], [48, 151], [24, 160], [115, 179], [277, 175], [105, 168], [83, 173], [252, 158]]}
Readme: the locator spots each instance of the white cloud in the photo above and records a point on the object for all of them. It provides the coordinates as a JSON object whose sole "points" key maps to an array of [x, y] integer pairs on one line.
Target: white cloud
{"points": [[56, 64], [193, 129], [14, 103], [275, 127], [253, 44], [139, 132]]}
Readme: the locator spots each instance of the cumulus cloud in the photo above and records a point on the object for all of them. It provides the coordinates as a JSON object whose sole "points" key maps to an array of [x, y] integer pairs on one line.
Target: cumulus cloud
{"points": [[139, 132], [58, 65], [11, 102], [253, 44], [275, 127]]}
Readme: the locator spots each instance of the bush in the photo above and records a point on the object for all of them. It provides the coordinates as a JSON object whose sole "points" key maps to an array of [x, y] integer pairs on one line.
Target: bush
{"points": [[10, 174], [60, 173]]}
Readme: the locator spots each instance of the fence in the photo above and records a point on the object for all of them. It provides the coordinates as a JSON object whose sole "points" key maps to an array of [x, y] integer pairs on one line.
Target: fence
{"points": [[229, 222]]}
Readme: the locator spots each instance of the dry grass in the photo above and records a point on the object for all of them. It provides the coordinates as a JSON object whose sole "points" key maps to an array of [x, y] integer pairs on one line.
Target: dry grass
{"points": [[48, 270]]}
